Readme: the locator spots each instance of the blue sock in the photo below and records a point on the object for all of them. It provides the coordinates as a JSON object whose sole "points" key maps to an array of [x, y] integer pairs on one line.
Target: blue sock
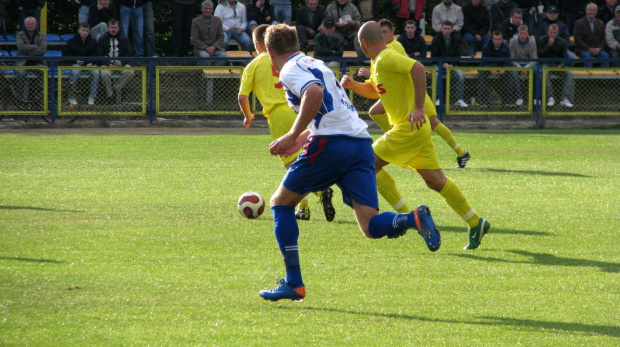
{"points": [[287, 233], [390, 224]]}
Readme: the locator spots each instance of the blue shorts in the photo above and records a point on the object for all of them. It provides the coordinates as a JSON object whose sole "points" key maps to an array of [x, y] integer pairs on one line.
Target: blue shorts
{"points": [[342, 160]]}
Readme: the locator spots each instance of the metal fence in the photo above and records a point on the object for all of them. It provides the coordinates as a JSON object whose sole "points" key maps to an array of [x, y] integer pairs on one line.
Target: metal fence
{"points": [[153, 87]]}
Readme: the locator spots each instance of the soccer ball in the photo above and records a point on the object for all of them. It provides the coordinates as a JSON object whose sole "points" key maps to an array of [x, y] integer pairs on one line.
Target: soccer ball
{"points": [[251, 205]]}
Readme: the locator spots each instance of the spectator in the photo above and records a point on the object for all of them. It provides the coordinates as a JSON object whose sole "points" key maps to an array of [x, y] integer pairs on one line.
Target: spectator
{"points": [[182, 14], [82, 45], [551, 46], [283, 10], [208, 34], [234, 22], [446, 11], [131, 11], [114, 44], [523, 47], [500, 11], [369, 9], [150, 47], [406, 10], [412, 41], [30, 43], [446, 45], [612, 36], [329, 43], [573, 10], [309, 22], [28, 8], [347, 19], [551, 17], [83, 10], [496, 53], [590, 37], [510, 27], [606, 11], [99, 15], [259, 12], [476, 24], [528, 7], [3, 4]]}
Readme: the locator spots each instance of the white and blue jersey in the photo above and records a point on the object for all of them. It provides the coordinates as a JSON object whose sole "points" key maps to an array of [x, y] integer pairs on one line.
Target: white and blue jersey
{"points": [[337, 115]]}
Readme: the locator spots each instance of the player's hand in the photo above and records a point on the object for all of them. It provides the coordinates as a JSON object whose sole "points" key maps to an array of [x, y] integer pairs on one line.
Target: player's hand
{"points": [[247, 120], [282, 144], [346, 81], [417, 117], [364, 72], [300, 142]]}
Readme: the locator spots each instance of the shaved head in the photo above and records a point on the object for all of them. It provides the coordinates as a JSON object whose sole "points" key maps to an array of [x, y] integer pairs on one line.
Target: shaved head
{"points": [[371, 32]]}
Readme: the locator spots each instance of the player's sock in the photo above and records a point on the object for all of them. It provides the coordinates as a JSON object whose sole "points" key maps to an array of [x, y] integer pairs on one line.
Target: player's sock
{"points": [[287, 233], [455, 198], [390, 224], [447, 136], [387, 188], [382, 121], [303, 203]]}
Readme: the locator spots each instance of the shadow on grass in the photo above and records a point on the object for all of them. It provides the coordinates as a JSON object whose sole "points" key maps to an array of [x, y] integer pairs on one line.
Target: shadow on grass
{"points": [[36, 209], [549, 259], [32, 260], [453, 229], [521, 324], [536, 172]]}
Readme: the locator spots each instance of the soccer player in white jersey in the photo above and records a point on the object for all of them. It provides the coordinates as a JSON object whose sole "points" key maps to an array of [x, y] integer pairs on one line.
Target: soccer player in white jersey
{"points": [[337, 150]]}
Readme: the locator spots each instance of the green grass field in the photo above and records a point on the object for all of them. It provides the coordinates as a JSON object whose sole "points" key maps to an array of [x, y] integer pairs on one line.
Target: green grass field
{"points": [[136, 239]]}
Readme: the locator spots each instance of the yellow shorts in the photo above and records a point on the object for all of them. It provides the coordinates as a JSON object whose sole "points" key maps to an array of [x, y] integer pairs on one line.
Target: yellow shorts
{"points": [[407, 148], [280, 121]]}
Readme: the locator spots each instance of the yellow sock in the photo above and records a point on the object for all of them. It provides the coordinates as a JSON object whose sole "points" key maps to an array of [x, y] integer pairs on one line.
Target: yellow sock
{"points": [[382, 121], [447, 136], [387, 188], [455, 198], [303, 203]]}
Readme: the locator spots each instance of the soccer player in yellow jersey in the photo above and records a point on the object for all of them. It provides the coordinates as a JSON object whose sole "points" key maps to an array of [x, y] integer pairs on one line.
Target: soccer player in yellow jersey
{"points": [[262, 78], [400, 83], [377, 111]]}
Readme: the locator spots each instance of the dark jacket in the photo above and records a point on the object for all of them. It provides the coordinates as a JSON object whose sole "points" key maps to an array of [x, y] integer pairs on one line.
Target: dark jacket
{"points": [[76, 47], [96, 16], [439, 49], [544, 26], [317, 19], [489, 51], [31, 46], [131, 3], [417, 44], [509, 30], [29, 4], [254, 13], [476, 20], [605, 14], [113, 46], [585, 38], [325, 46], [557, 50], [499, 12]]}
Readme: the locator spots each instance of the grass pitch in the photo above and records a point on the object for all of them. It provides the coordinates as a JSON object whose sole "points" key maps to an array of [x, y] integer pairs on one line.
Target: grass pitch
{"points": [[136, 240]]}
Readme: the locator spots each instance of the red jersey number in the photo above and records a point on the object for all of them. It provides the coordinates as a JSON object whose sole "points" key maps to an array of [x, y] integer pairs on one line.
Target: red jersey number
{"points": [[380, 89]]}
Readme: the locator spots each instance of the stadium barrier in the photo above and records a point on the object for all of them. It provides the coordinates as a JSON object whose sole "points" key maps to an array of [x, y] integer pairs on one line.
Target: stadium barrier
{"points": [[202, 87]]}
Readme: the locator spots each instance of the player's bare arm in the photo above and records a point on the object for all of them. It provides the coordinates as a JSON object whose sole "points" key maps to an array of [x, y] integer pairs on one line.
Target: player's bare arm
{"points": [[363, 89], [418, 75], [244, 103], [311, 102]]}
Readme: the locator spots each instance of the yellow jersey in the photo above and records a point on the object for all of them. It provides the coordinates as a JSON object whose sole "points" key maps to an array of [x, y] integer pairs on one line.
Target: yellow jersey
{"points": [[390, 75], [262, 78], [397, 46]]}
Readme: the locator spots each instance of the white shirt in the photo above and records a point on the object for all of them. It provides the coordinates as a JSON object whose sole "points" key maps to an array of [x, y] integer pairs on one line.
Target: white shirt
{"points": [[337, 115]]}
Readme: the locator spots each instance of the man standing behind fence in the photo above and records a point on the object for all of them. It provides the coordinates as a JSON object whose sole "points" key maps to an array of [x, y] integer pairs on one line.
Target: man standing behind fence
{"points": [[208, 34], [82, 45], [30, 43], [114, 45], [98, 16]]}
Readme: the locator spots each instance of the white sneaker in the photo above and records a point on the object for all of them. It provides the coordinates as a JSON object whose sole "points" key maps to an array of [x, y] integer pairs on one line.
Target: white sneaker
{"points": [[519, 102], [73, 101], [566, 103], [461, 103], [550, 102], [437, 102], [91, 101]]}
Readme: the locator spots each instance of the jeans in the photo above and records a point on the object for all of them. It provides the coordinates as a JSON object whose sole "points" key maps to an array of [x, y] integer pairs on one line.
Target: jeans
{"points": [[182, 16], [217, 54], [98, 30], [614, 54], [137, 22], [83, 14], [125, 76], [471, 40], [149, 30], [512, 89], [94, 81], [457, 80], [283, 13], [568, 83], [603, 56], [243, 39]]}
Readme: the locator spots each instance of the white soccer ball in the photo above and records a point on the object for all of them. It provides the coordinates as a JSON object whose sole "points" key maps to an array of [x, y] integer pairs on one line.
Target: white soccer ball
{"points": [[251, 205]]}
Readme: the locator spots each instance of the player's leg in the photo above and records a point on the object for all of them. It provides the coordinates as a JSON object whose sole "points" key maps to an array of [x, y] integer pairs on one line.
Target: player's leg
{"points": [[387, 188], [462, 156], [377, 113]]}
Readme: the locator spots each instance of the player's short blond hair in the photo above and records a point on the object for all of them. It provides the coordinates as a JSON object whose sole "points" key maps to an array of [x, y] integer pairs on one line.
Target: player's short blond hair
{"points": [[281, 39], [371, 32]]}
